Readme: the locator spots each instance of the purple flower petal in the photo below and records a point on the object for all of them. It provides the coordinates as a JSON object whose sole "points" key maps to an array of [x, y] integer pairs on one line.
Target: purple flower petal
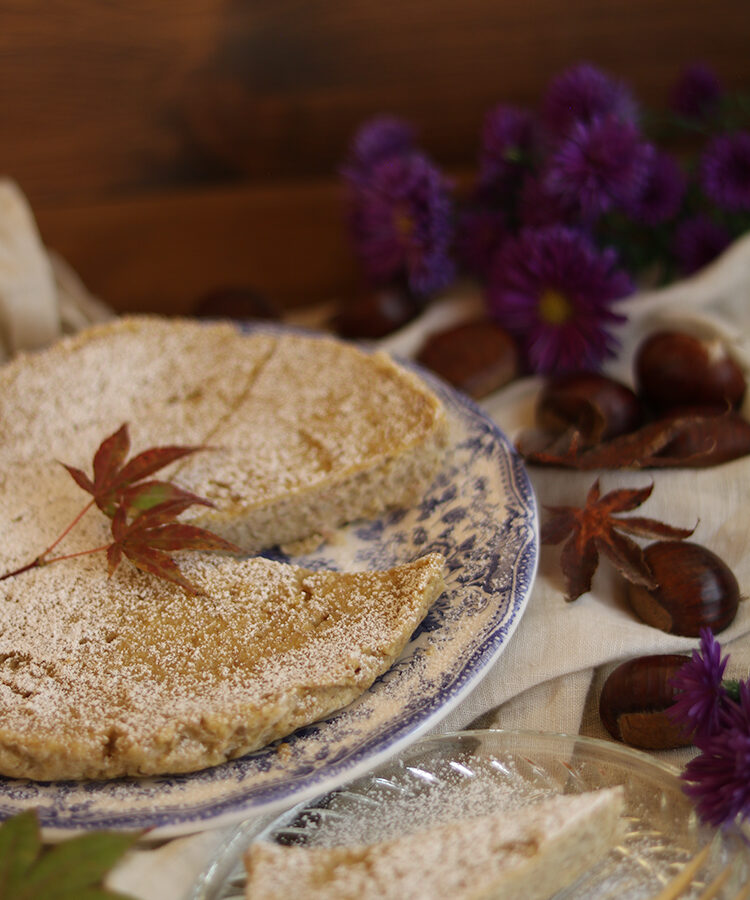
{"points": [[554, 290], [662, 193], [583, 93], [719, 778], [401, 223], [725, 171], [508, 147], [602, 165], [697, 242], [699, 695], [697, 92], [376, 140]]}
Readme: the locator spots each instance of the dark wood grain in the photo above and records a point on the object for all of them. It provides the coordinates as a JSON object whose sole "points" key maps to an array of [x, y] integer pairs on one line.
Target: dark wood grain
{"points": [[162, 251], [107, 105], [105, 98]]}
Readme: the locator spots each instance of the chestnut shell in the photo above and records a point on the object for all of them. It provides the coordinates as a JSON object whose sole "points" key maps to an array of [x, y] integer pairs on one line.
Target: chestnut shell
{"points": [[597, 406], [696, 588]]}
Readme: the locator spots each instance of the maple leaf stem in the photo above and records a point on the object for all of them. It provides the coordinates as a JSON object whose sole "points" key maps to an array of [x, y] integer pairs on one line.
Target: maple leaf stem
{"points": [[41, 561], [32, 565], [67, 530]]}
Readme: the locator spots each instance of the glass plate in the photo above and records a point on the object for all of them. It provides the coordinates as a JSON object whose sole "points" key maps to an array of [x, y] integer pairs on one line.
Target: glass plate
{"points": [[469, 773], [480, 513]]}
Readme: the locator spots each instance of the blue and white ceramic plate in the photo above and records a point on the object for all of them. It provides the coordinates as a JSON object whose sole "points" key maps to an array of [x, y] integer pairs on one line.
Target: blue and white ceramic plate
{"points": [[480, 513]]}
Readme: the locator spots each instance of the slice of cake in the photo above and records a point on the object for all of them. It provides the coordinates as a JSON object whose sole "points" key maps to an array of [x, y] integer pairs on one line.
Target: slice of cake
{"points": [[525, 854], [131, 676], [306, 432]]}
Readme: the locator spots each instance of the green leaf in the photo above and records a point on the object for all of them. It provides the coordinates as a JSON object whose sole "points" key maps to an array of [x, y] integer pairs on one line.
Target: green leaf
{"points": [[74, 867], [20, 845]]}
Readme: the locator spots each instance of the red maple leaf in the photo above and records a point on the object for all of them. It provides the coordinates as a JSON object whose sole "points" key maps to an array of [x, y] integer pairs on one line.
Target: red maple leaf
{"points": [[117, 482], [594, 529], [145, 540]]}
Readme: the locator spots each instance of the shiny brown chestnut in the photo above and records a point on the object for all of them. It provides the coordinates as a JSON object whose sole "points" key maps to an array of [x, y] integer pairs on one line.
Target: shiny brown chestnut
{"points": [[634, 700], [477, 356], [597, 406], [695, 589], [674, 369], [375, 313]]}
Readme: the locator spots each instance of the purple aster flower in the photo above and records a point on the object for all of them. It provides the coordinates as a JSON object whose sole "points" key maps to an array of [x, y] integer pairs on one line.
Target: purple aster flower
{"points": [[480, 232], [400, 223], [603, 164], [700, 695], [538, 206], [697, 92], [583, 93], [719, 778], [697, 242], [725, 171], [662, 193], [509, 144], [378, 139], [555, 290]]}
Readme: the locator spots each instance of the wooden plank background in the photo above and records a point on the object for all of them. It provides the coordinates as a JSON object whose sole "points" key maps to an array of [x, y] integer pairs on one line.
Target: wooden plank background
{"points": [[168, 148]]}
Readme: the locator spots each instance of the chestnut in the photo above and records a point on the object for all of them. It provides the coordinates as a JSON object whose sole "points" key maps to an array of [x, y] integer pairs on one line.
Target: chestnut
{"points": [[375, 313], [634, 699], [477, 357], [674, 369], [695, 589], [597, 406]]}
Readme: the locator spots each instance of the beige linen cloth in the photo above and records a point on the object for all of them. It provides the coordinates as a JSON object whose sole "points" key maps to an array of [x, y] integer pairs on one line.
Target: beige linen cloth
{"points": [[550, 675]]}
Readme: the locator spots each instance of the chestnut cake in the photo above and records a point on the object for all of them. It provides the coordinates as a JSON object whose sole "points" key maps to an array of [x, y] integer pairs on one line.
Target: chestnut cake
{"points": [[129, 675]]}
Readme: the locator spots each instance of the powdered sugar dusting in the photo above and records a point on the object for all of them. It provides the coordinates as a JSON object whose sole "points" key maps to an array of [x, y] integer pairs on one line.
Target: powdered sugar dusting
{"points": [[132, 674], [129, 675]]}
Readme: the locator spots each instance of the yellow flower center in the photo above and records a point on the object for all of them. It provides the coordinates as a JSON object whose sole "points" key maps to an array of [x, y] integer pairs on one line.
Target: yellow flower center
{"points": [[403, 223], [554, 307]]}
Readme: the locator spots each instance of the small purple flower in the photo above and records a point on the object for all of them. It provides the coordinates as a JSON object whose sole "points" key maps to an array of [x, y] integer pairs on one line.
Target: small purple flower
{"points": [[697, 93], [583, 93], [725, 171], [662, 193], [697, 242], [401, 223], [555, 290], [508, 147], [480, 232], [602, 165], [377, 139], [719, 778], [700, 695]]}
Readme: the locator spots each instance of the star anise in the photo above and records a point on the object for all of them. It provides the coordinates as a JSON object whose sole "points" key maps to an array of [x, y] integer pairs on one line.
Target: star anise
{"points": [[594, 529]]}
